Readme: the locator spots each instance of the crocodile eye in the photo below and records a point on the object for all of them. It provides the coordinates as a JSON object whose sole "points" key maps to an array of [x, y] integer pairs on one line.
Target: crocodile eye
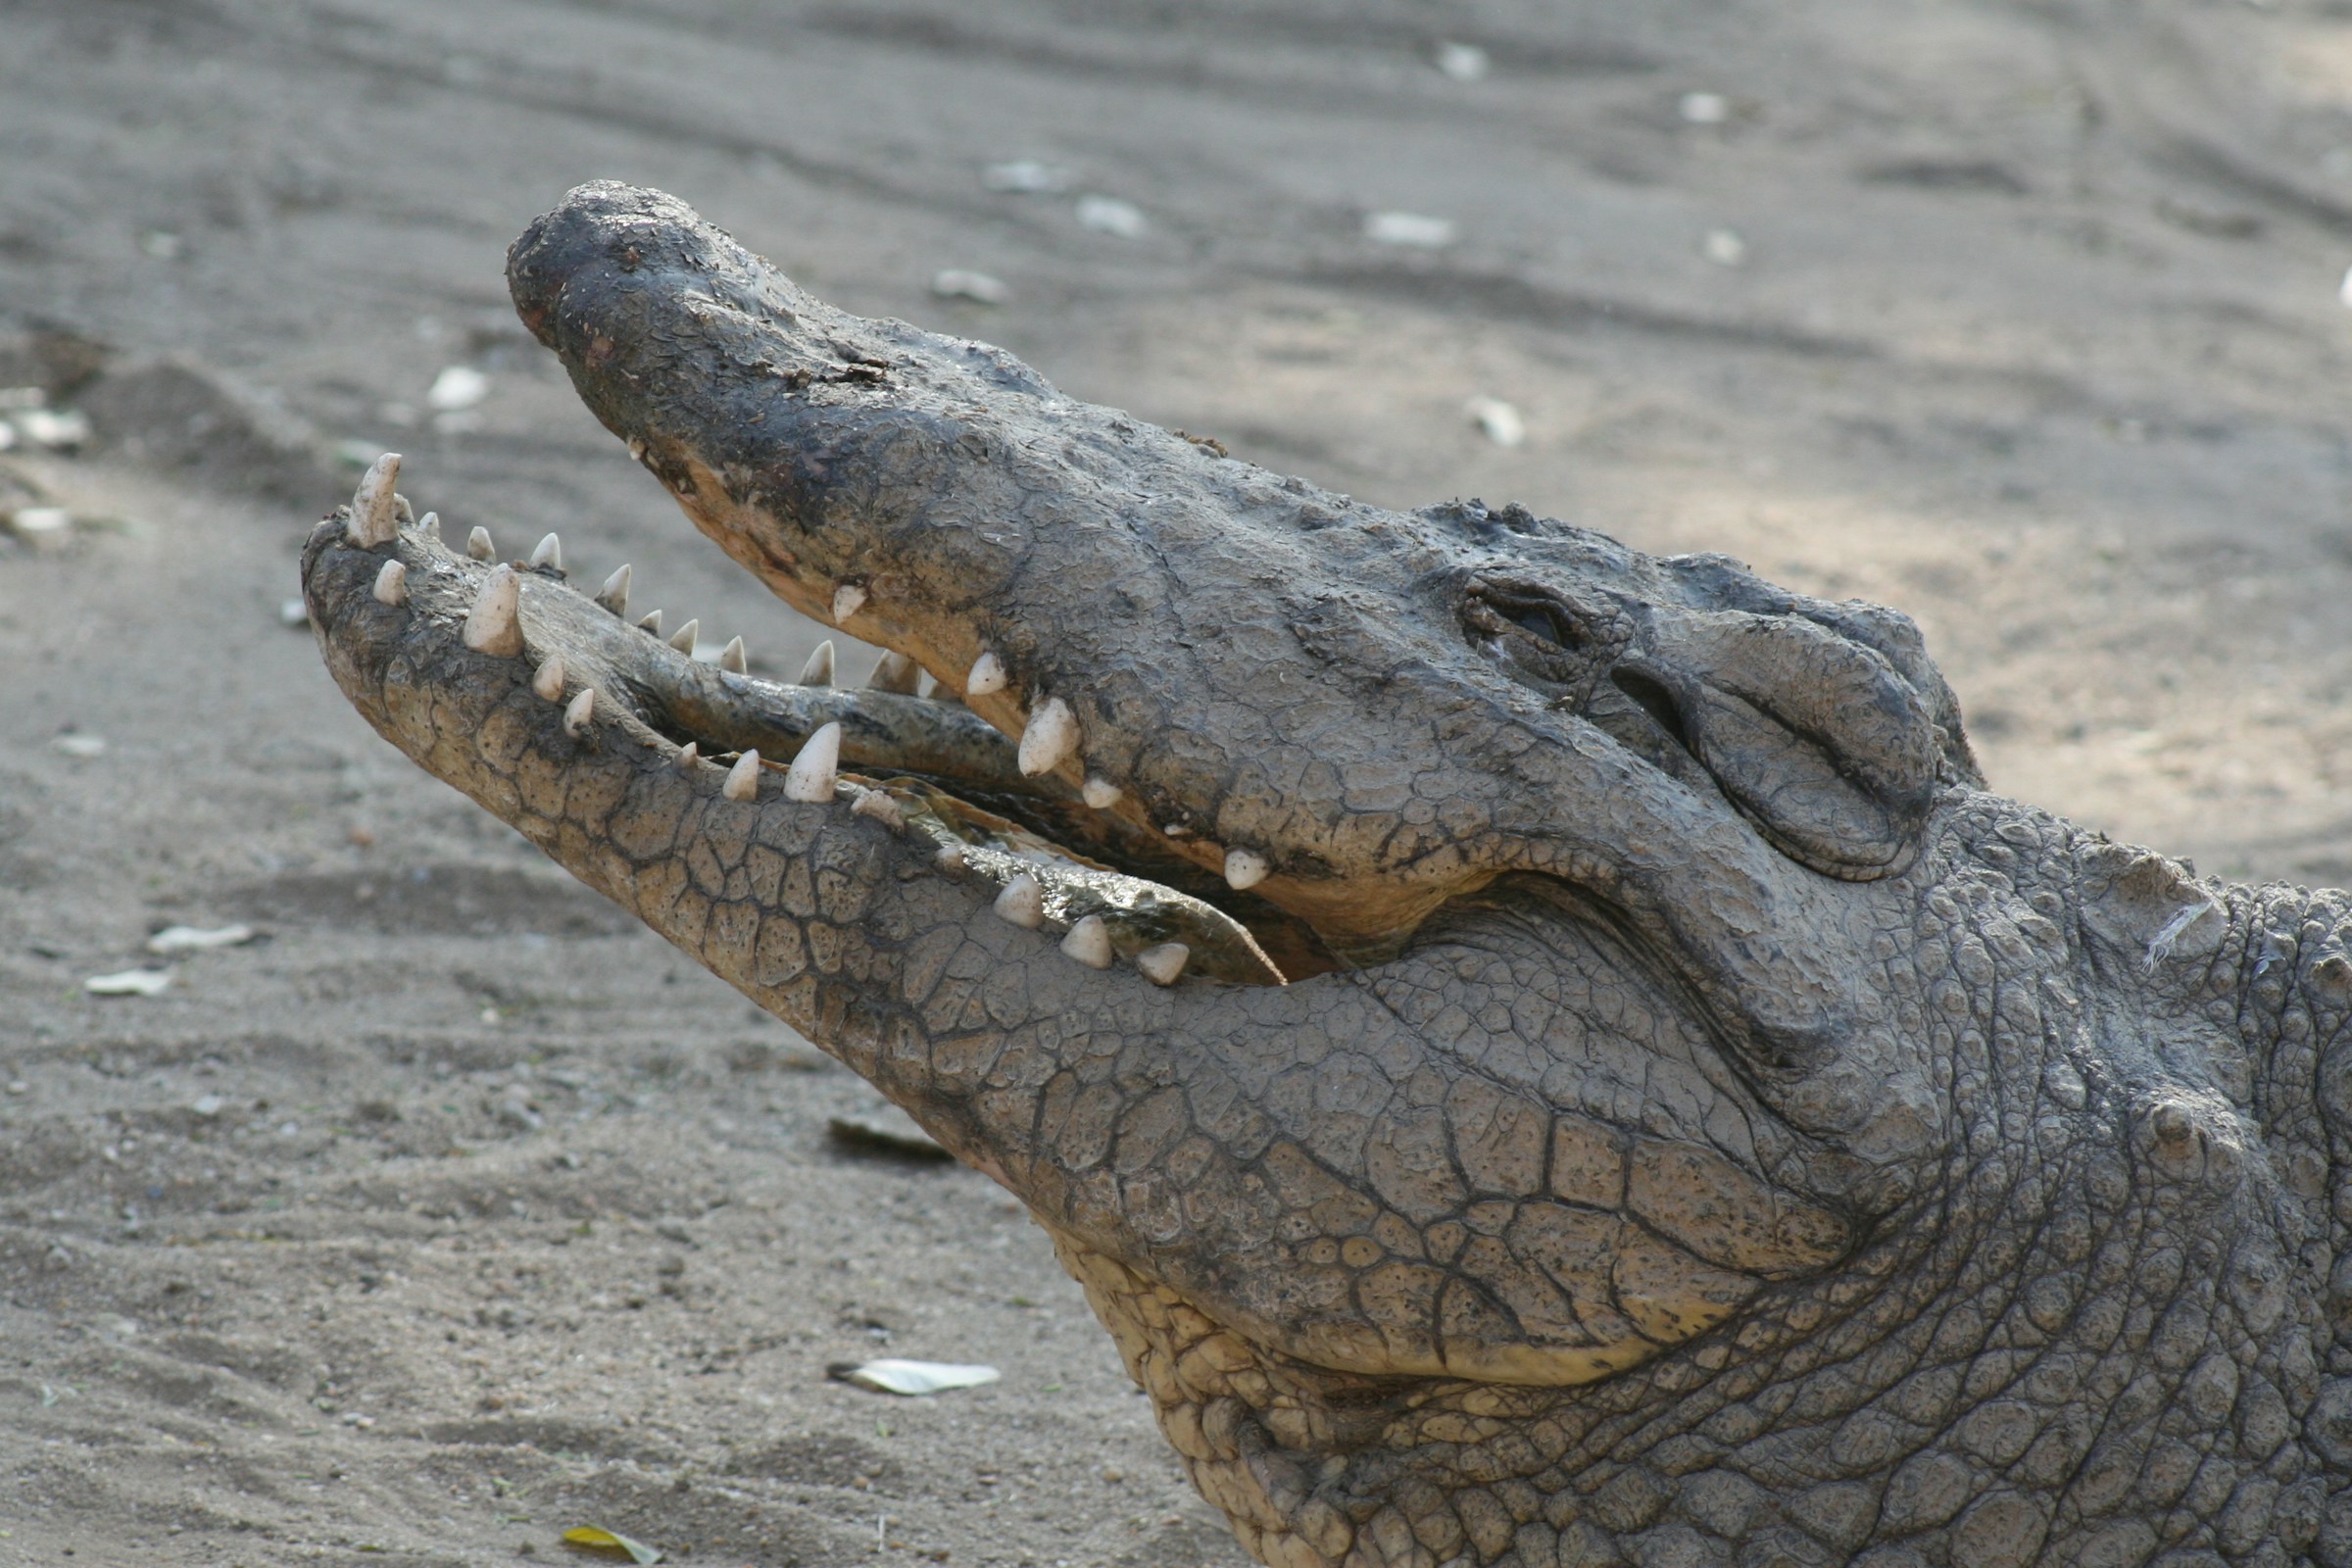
{"points": [[1544, 621]]}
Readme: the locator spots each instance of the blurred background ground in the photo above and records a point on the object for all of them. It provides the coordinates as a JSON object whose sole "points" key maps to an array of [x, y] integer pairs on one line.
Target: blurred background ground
{"points": [[454, 1209]]}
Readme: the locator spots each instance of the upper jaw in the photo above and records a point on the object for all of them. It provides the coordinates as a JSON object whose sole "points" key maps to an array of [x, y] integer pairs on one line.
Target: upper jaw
{"points": [[1257, 679], [1243, 659]]}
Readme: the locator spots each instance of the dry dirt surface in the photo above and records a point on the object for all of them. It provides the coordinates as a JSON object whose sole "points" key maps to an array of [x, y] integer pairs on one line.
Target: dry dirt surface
{"points": [[454, 1209]]}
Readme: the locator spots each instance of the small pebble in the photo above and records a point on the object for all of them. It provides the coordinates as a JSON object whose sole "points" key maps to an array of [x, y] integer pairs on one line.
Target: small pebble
{"points": [[1724, 247], [85, 746], [35, 522]]}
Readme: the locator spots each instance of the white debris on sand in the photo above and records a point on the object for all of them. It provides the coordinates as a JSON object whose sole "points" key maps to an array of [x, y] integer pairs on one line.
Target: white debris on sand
{"points": [[196, 939], [915, 1378], [129, 983], [1704, 108], [456, 388], [1499, 421], [1108, 215], [1025, 176], [1464, 61], [1724, 247], [956, 284], [1412, 230]]}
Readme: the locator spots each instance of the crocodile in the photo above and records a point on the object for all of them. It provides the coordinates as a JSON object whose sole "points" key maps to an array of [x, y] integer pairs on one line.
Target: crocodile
{"points": [[1538, 1053]]}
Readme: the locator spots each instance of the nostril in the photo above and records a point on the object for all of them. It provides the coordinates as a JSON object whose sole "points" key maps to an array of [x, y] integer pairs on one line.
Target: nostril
{"points": [[1655, 701]]}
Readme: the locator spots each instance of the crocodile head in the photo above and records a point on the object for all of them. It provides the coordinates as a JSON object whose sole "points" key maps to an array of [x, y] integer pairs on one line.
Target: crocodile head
{"points": [[1443, 978]]}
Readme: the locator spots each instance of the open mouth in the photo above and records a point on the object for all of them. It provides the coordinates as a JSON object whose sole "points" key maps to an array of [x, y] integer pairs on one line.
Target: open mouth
{"points": [[925, 765]]}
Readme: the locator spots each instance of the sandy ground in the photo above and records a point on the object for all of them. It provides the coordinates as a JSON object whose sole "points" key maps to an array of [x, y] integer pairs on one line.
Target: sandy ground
{"points": [[455, 1209]]}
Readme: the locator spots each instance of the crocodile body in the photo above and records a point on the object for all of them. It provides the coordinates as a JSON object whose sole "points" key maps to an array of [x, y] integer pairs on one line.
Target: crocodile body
{"points": [[1539, 1054]]}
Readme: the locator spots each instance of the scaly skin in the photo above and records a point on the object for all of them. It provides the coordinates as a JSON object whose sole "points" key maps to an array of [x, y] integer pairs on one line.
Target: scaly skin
{"points": [[1702, 1127]]}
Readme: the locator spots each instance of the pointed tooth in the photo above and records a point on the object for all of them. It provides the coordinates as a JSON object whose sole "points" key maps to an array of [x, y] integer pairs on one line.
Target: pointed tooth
{"points": [[649, 621], [743, 779], [987, 676], [548, 552], [581, 710], [392, 584], [950, 859], [402, 509], [733, 657], [478, 545], [1244, 868], [683, 638], [1089, 941], [1022, 902], [688, 755], [1050, 739], [429, 525], [494, 625], [615, 594], [549, 682], [1163, 963], [810, 776], [941, 692], [374, 517], [847, 600], [1100, 793], [818, 672], [895, 673]]}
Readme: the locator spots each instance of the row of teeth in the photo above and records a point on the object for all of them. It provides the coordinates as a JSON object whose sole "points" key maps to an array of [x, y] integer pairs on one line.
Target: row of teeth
{"points": [[494, 626]]}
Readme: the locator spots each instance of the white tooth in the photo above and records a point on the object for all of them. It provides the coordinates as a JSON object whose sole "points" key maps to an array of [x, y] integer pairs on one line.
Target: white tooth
{"points": [[818, 672], [733, 657], [649, 621], [1089, 941], [1100, 793], [615, 594], [847, 600], [688, 755], [1022, 902], [478, 545], [683, 638], [895, 673], [950, 859], [1163, 963], [549, 682], [392, 584], [882, 809], [581, 710], [939, 692], [810, 776], [1244, 868], [429, 525], [375, 515], [494, 625], [1050, 739], [549, 552], [743, 779], [402, 509], [987, 676]]}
